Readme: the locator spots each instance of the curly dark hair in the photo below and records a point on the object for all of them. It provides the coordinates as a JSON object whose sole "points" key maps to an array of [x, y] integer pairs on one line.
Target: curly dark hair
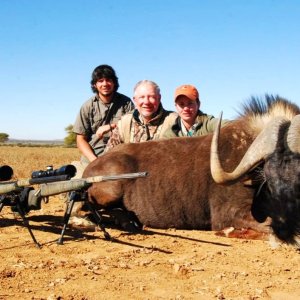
{"points": [[104, 71]]}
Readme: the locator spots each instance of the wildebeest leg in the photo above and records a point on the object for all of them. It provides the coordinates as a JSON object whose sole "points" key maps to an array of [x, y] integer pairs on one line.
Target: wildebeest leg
{"points": [[244, 226], [119, 215], [235, 216], [127, 220]]}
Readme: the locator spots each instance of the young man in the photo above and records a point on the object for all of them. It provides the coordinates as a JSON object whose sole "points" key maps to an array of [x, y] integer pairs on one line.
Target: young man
{"points": [[96, 120], [147, 122], [98, 115], [191, 120]]}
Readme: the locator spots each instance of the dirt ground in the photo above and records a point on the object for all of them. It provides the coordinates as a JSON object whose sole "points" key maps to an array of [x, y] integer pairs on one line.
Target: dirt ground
{"points": [[155, 264]]}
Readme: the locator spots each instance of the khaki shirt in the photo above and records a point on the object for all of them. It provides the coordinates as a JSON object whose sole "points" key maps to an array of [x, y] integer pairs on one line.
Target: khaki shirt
{"points": [[94, 113]]}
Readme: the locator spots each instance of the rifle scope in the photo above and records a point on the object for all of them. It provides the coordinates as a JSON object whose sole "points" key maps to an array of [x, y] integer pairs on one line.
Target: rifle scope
{"points": [[68, 170], [6, 173]]}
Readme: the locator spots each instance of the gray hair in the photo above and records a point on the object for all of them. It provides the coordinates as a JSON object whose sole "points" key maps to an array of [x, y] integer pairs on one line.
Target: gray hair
{"points": [[145, 81]]}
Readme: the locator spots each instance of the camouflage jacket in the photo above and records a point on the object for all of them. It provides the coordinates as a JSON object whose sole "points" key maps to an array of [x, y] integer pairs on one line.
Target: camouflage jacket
{"points": [[131, 129]]}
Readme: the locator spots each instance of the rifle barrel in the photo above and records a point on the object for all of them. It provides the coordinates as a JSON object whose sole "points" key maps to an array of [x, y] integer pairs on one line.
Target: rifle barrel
{"points": [[95, 179], [53, 188]]}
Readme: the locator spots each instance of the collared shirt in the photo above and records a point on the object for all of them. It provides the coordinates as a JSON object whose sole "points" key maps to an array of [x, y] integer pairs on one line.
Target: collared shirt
{"points": [[94, 113], [185, 131]]}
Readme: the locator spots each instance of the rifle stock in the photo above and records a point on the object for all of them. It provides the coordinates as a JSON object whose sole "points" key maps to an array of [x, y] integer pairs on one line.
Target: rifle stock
{"points": [[15, 186]]}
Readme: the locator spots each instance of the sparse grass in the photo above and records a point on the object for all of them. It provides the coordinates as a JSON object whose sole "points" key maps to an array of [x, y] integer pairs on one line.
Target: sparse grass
{"points": [[25, 160]]}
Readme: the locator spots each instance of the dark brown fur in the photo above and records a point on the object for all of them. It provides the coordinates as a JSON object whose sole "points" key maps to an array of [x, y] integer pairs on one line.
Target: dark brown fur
{"points": [[179, 190]]}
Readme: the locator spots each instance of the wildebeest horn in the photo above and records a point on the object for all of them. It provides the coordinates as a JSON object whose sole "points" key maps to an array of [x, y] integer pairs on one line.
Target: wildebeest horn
{"points": [[293, 136], [262, 146]]}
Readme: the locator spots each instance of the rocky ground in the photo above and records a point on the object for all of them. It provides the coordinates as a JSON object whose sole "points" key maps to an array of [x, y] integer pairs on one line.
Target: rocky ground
{"points": [[155, 264]]}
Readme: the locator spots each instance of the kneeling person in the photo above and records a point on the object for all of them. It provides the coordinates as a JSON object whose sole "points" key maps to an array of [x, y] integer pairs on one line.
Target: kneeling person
{"points": [[191, 120]]}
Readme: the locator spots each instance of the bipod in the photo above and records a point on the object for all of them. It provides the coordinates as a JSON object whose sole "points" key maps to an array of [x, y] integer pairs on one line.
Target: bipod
{"points": [[98, 219], [75, 196], [15, 202]]}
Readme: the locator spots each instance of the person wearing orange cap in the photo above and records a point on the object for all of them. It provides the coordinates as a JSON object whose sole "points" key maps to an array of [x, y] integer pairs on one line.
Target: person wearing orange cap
{"points": [[191, 121]]}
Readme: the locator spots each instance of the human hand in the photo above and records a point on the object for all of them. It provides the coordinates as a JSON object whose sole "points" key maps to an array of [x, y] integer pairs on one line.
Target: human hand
{"points": [[104, 129]]}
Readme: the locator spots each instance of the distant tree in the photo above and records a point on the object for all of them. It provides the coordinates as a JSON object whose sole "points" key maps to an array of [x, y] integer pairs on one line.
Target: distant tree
{"points": [[3, 137], [70, 139]]}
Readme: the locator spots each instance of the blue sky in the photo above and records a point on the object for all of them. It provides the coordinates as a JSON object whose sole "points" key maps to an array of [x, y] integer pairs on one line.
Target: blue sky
{"points": [[230, 50]]}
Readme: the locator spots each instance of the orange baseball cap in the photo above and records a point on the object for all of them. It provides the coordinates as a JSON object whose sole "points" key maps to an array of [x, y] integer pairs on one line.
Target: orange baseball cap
{"points": [[187, 90]]}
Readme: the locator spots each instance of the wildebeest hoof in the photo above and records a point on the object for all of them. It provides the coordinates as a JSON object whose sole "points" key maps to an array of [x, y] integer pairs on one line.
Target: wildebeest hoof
{"points": [[130, 226], [82, 223]]}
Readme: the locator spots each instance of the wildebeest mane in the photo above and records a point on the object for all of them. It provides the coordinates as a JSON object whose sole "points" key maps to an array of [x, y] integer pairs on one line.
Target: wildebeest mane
{"points": [[255, 106], [258, 112]]}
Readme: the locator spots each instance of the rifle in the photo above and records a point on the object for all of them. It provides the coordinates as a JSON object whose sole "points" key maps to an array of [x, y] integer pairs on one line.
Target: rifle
{"points": [[23, 198]]}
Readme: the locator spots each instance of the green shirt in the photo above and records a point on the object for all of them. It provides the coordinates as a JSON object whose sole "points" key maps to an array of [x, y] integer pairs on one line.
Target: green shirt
{"points": [[204, 124]]}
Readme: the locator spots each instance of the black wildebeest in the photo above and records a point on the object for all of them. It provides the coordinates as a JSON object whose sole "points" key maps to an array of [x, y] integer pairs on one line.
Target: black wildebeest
{"points": [[180, 192]]}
